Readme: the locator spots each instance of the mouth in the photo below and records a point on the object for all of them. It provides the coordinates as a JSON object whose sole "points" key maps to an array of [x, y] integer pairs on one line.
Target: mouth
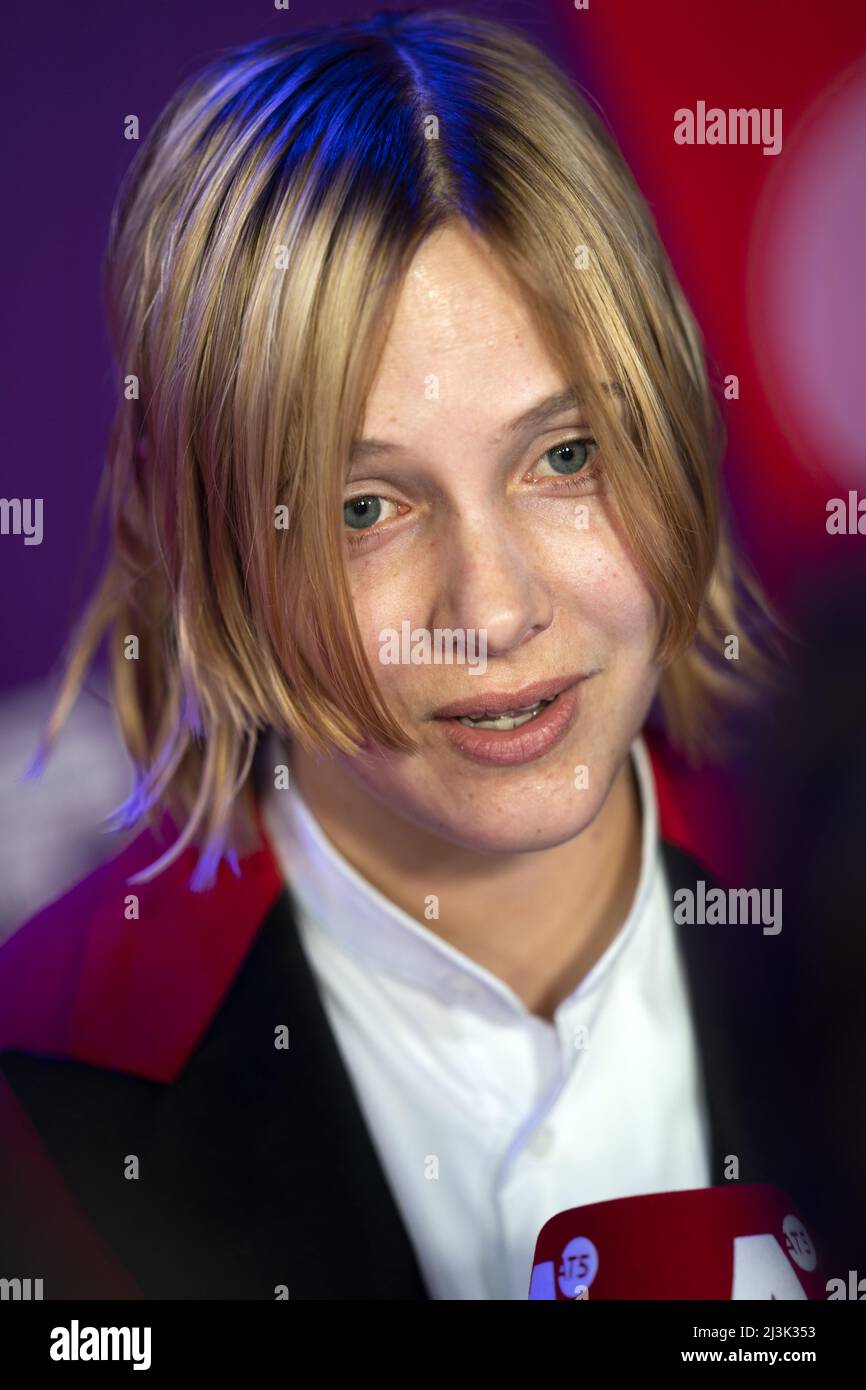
{"points": [[507, 709], [508, 728], [513, 719]]}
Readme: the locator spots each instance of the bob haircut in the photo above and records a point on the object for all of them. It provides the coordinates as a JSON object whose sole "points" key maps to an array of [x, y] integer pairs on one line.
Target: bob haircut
{"points": [[256, 250]]}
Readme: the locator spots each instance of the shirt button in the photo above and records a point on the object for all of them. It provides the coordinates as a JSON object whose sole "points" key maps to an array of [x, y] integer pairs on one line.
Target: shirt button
{"points": [[542, 1142]]}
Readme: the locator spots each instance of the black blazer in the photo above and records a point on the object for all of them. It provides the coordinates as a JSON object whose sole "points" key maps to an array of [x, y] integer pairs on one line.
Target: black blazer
{"points": [[153, 1039]]}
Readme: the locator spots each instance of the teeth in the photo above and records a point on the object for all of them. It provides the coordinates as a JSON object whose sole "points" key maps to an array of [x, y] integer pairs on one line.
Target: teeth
{"points": [[512, 720]]}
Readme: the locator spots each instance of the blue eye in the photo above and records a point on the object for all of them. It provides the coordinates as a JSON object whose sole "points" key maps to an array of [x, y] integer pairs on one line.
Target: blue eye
{"points": [[365, 511], [571, 456]]}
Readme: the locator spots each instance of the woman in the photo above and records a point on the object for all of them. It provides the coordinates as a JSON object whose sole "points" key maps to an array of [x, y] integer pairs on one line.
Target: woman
{"points": [[414, 480]]}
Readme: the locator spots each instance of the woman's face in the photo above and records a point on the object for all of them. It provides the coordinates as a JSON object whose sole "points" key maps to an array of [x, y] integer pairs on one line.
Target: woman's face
{"points": [[483, 523]]}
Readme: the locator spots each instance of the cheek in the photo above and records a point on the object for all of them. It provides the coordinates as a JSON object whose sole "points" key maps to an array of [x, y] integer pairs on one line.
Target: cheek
{"points": [[385, 593], [622, 605], [596, 577]]}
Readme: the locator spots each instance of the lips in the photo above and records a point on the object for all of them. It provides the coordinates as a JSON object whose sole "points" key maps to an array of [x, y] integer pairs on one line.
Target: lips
{"points": [[520, 742], [494, 703]]}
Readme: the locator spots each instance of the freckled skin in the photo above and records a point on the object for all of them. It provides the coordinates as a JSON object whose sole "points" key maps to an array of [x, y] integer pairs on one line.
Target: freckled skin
{"points": [[472, 537]]}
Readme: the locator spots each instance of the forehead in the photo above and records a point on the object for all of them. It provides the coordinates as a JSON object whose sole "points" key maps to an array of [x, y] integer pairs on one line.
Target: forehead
{"points": [[462, 334], [453, 276]]}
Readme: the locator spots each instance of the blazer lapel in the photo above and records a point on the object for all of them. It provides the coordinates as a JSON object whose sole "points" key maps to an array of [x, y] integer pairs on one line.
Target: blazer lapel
{"points": [[260, 1165], [725, 966]]}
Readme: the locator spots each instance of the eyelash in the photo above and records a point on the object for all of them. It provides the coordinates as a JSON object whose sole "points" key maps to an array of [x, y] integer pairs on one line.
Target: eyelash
{"points": [[575, 483]]}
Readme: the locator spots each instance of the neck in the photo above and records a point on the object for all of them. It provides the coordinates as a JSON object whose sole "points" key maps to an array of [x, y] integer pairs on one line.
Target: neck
{"points": [[555, 910]]}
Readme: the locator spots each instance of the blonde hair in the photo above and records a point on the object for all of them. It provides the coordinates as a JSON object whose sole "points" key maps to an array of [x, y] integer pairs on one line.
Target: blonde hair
{"points": [[256, 249]]}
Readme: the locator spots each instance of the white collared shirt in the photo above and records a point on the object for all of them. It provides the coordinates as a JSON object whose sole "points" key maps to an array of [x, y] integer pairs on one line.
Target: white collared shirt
{"points": [[487, 1119]]}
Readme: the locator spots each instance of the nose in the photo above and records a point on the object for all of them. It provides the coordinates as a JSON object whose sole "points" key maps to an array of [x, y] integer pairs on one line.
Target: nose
{"points": [[491, 582]]}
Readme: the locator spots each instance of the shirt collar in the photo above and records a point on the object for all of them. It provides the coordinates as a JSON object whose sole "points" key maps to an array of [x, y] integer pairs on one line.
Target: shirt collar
{"points": [[335, 898]]}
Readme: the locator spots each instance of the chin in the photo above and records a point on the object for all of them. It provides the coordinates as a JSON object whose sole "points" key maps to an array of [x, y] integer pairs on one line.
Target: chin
{"points": [[538, 822]]}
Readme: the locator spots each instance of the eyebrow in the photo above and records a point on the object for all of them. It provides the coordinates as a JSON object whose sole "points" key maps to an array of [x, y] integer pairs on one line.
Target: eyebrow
{"points": [[532, 418]]}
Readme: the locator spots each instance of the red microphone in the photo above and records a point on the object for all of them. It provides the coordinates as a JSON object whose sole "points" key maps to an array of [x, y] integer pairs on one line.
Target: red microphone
{"points": [[710, 1243]]}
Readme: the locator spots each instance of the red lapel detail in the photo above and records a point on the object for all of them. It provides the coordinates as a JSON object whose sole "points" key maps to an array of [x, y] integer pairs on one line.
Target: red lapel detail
{"points": [[81, 981]]}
